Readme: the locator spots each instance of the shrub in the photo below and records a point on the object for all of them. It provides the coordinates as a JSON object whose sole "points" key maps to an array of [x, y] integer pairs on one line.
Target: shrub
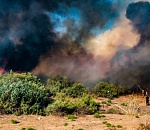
{"points": [[108, 104], [67, 105], [104, 89], [23, 128], [124, 104], [76, 90], [65, 124], [71, 117], [109, 101], [30, 128], [119, 126], [97, 115], [61, 107], [57, 84], [61, 84], [112, 111], [14, 121], [22, 93], [88, 106], [108, 124], [104, 122], [104, 102], [137, 116]]}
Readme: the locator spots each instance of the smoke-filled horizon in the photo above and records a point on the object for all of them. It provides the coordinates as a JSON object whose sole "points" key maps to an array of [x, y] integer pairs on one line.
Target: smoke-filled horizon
{"points": [[83, 40]]}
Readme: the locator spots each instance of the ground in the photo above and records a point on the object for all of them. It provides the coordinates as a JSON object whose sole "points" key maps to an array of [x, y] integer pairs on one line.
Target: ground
{"points": [[88, 122]]}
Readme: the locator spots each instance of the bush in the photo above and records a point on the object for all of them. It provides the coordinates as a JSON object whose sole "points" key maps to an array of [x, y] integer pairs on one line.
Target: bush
{"points": [[22, 94], [65, 124], [57, 84], [119, 126], [76, 90], [71, 117], [30, 128], [62, 85], [67, 105], [14, 121], [104, 89], [86, 105], [124, 104], [97, 115], [61, 107], [112, 111]]}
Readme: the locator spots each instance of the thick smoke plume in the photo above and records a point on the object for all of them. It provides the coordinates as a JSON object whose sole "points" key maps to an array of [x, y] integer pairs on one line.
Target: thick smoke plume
{"points": [[133, 65], [84, 40]]}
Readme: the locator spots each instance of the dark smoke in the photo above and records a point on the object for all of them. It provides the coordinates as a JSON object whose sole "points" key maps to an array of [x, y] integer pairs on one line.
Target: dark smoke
{"points": [[25, 34], [27, 31], [133, 66]]}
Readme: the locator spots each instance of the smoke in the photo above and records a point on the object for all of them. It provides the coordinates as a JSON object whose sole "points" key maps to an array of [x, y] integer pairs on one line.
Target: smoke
{"points": [[133, 65], [84, 40], [25, 34]]}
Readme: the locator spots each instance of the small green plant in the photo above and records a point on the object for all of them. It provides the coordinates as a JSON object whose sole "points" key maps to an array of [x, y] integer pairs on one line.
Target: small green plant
{"points": [[30, 128], [23, 129], [119, 126], [80, 129], [104, 102], [104, 122], [97, 115], [108, 104], [71, 117], [14, 121], [112, 111], [108, 124], [137, 116], [65, 124], [124, 104], [109, 101]]}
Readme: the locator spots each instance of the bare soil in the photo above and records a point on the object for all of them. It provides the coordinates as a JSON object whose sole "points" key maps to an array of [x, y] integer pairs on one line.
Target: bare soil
{"points": [[87, 122]]}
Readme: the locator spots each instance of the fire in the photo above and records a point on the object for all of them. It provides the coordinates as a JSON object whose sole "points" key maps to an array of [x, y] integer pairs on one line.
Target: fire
{"points": [[2, 70]]}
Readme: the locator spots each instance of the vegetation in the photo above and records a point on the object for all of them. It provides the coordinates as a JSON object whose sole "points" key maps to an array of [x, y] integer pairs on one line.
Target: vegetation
{"points": [[71, 117], [14, 121], [103, 89], [111, 125], [145, 126], [62, 85], [64, 105], [124, 104], [30, 128], [137, 116], [24, 93], [65, 124], [119, 126], [97, 115]]}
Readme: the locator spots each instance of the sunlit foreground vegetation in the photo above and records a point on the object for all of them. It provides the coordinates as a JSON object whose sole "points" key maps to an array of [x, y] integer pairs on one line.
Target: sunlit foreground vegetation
{"points": [[24, 93]]}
